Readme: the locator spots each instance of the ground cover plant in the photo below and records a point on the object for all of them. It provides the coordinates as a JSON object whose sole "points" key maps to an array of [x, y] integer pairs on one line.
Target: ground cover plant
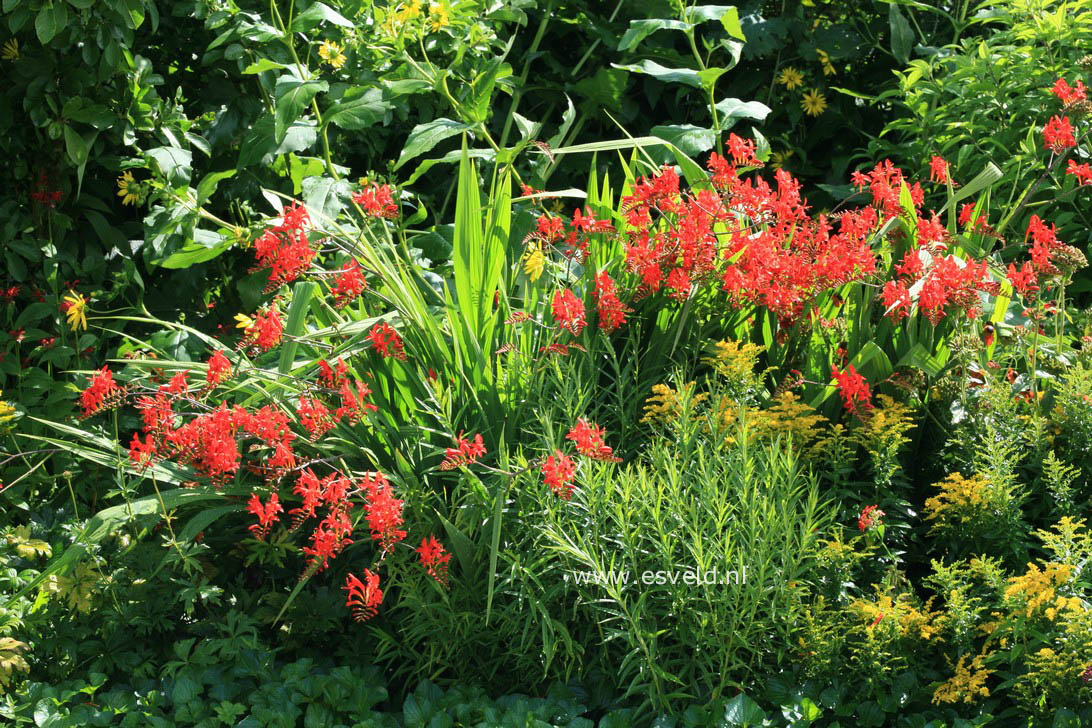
{"points": [[622, 420]]}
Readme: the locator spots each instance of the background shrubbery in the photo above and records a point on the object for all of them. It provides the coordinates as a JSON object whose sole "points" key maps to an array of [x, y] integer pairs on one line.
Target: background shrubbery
{"points": [[352, 351]]}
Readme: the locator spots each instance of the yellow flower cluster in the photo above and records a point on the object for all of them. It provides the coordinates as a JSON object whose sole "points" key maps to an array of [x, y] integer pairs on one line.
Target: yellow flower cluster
{"points": [[332, 54], [1036, 590], [968, 683], [911, 621], [788, 417], [734, 361], [959, 499], [665, 406]]}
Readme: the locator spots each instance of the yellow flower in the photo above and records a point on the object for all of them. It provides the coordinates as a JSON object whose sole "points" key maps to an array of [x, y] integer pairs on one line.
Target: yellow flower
{"points": [[790, 78], [410, 11], [778, 159], [331, 53], [76, 310], [244, 321], [814, 103], [128, 190], [824, 61], [968, 683], [534, 262], [439, 15], [10, 52]]}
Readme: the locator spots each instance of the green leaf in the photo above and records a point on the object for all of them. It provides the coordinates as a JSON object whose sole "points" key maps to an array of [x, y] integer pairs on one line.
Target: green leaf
{"points": [[293, 95], [316, 14], [208, 184], [731, 110], [359, 108], [641, 29], [324, 197], [426, 136], [741, 711], [730, 21], [173, 163], [263, 65], [258, 146], [75, 146], [50, 21], [662, 73], [194, 252], [295, 323], [902, 35], [692, 140]]}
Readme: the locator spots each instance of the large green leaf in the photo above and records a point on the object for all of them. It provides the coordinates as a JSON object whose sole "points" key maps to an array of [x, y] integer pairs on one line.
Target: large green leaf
{"points": [[293, 95], [663, 73], [357, 109], [318, 13], [641, 29], [426, 136], [173, 163]]}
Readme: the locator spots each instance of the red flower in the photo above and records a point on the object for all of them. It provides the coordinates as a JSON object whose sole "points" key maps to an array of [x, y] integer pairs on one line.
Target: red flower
{"points": [[938, 169], [569, 311], [349, 284], [101, 394], [315, 416], [142, 453], [854, 389], [1067, 94], [1023, 279], [364, 596], [218, 369], [384, 512], [434, 558], [870, 516], [464, 453], [558, 471], [1083, 172], [266, 513], [329, 377], [589, 441], [386, 341], [1058, 134], [742, 151], [284, 248], [354, 404], [377, 201], [612, 312]]}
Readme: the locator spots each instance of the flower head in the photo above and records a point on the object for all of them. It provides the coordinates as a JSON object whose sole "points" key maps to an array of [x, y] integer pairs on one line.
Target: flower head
{"points": [[434, 558], [1058, 134], [386, 341], [558, 470], [854, 389], [466, 452], [814, 103], [824, 61], [75, 310], [569, 311], [10, 51], [364, 596], [1067, 94], [790, 78], [128, 189], [588, 437], [870, 516], [938, 169], [331, 54]]}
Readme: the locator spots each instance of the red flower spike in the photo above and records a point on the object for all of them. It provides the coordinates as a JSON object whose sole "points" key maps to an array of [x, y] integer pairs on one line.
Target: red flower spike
{"points": [[558, 470], [1058, 134], [102, 393], [569, 311], [349, 285], [386, 341], [435, 559], [464, 453], [266, 513], [854, 389], [364, 596], [870, 516]]}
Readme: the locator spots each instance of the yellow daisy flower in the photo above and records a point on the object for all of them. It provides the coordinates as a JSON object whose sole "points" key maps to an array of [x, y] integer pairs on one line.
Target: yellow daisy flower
{"points": [[128, 190], [10, 51], [244, 321], [778, 159], [790, 78], [75, 310], [824, 61], [332, 54], [534, 262], [814, 103], [439, 15], [410, 11]]}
